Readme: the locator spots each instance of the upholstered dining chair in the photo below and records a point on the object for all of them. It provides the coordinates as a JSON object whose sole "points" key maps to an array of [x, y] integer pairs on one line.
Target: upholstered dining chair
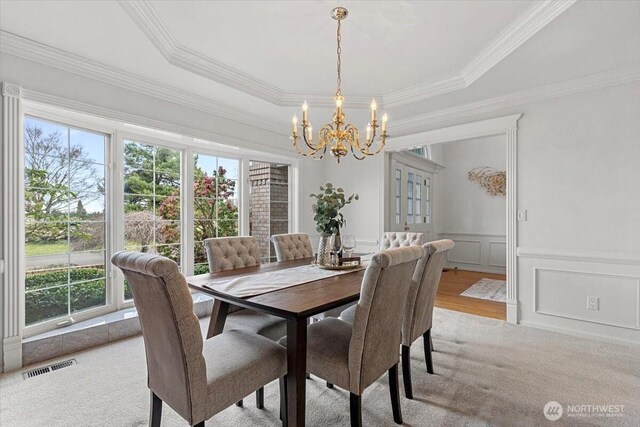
{"points": [[195, 378], [229, 253], [418, 314], [292, 246], [392, 239], [354, 356]]}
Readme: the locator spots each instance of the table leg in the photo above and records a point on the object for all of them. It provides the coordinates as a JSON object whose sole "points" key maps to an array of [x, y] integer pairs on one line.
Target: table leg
{"points": [[296, 371], [218, 317]]}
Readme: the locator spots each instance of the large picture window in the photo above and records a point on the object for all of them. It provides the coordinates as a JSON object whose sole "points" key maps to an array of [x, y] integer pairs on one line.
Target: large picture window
{"points": [[215, 203], [64, 220], [152, 214]]}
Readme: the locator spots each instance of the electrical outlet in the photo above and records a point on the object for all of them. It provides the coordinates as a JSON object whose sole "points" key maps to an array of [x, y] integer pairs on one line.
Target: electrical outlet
{"points": [[522, 215], [593, 303]]}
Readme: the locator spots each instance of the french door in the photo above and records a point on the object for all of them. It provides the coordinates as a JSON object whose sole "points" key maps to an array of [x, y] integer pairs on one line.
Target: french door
{"points": [[411, 199]]}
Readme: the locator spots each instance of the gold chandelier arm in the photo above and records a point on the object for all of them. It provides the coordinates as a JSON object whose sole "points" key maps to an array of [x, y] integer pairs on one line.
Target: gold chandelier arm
{"points": [[311, 151], [304, 137]]}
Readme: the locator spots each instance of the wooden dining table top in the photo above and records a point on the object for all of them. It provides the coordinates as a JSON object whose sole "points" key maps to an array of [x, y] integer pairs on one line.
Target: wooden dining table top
{"points": [[297, 301]]}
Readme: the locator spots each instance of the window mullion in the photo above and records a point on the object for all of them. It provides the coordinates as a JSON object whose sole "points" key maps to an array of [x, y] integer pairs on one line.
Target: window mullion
{"points": [[187, 227]]}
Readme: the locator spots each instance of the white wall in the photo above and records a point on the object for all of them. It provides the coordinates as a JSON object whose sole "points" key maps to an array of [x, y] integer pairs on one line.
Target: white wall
{"points": [[466, 207], [465, 212], [366, 178], [579, 180]]}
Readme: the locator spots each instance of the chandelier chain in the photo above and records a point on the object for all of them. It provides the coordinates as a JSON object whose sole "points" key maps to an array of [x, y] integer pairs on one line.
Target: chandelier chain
{"points": [[339, 63]]}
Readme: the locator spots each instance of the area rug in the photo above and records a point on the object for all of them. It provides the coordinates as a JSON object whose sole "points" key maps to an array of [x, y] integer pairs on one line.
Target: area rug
{"points": [[494, 290]]}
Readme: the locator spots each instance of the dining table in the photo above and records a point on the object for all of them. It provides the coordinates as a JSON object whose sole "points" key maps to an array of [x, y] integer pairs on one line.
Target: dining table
{"points": [[296, 302]]}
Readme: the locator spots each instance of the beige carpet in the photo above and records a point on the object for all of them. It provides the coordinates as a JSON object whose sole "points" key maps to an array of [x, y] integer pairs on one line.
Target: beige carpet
{"points": [[487, 373]]}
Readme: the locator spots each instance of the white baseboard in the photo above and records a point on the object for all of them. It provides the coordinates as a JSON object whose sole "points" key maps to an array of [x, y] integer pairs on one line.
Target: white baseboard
{"points": [[472, 267], [12, 357]]}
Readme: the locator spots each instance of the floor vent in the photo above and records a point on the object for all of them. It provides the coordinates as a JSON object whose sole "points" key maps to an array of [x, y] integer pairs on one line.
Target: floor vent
{"points": [[46, 369]]}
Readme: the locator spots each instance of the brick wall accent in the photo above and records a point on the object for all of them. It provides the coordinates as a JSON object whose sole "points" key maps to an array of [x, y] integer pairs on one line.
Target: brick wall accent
{"points": [[269, 204]]}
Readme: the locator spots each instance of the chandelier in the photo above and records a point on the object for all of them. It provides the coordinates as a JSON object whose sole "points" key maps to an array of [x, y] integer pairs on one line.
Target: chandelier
{"points": [[340, 135]]}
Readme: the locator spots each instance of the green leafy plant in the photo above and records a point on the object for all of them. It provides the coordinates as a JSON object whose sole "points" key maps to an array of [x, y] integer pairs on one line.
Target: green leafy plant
{"points": [[327, 207]]}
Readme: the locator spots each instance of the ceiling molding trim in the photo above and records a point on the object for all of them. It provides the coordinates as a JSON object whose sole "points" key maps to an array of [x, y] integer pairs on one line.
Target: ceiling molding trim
{"points": [[487, 127], [149, 22], [422, 122], [12, 44], [518, 32], [423, 91], [110, 114], [522, 29], [324, 100]]}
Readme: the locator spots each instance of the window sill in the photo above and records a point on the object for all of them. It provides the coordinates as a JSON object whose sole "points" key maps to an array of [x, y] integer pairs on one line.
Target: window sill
{"points": [[90, 333]]}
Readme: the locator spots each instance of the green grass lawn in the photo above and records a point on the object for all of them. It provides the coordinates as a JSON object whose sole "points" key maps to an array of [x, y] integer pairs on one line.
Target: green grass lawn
{"points": [[35, 249]]}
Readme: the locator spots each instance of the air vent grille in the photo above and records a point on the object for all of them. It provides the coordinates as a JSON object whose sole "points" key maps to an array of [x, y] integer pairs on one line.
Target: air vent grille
{"points": [[50, 368]]}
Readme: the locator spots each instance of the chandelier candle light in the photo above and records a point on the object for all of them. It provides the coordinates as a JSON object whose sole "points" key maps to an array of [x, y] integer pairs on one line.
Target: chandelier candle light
{"points": [[340, 135]]}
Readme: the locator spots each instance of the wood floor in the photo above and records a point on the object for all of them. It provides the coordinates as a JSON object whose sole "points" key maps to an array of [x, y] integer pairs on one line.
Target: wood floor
{"points": [[454, 282]]}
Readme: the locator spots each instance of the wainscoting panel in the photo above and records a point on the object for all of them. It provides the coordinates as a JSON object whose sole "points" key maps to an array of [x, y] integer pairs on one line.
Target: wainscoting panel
{"points": [[554, 287], [477, 252], [565, 293]]}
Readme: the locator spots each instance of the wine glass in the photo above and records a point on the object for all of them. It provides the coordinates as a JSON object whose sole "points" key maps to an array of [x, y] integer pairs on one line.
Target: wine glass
{"points": [[348, 244]]}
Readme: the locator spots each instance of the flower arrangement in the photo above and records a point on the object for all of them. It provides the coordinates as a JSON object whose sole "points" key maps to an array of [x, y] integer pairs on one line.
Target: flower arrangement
{"points": [[492, 180], [327, 207]]}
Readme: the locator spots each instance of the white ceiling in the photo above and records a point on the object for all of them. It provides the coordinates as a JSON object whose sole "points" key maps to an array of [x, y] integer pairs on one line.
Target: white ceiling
{"points": [[265, 56], [292, 45]]}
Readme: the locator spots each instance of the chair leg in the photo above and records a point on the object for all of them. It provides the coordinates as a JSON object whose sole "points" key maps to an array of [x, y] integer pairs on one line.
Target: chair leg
{"points": [[329, 385], [283, 400], [260, 398], [406, 371], [200, 424], [355, 409], [394, 390], [239, 403], [426, 339], [155, 412]]}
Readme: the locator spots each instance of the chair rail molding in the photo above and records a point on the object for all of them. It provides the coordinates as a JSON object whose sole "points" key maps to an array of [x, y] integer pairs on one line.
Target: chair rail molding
{"points": [[508, 127], [623, 258], [12, 225]]}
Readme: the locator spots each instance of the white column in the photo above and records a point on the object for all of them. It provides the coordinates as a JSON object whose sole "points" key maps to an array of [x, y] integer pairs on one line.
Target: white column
{"points": [[512, 226], [12, 226]]}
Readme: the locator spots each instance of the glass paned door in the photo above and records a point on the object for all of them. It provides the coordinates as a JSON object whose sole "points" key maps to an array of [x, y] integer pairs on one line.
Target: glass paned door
{"points": [[410, 199]]}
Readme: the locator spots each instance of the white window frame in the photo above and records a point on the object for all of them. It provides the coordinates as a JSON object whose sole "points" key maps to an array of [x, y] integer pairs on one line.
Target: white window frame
{"points": [[118, 132]]}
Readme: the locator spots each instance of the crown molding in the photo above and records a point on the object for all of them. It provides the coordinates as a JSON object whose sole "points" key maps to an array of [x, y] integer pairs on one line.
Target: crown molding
{"points": [[37, 52], [487, 127], [522, 29], [421, 122], [149, 22], [133, 119], [518, 32]]}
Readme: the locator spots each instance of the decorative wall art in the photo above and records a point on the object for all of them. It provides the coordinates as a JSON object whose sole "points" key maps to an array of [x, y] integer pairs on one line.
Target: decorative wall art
{"points": [[492, 180]]}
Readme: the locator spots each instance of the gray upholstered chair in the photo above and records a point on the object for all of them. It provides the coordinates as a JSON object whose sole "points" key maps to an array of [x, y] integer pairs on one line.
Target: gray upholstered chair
{"points": [[418, 315], [392, 239], [229, 253], [354, 356], [195, 378], [292, 246]]}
